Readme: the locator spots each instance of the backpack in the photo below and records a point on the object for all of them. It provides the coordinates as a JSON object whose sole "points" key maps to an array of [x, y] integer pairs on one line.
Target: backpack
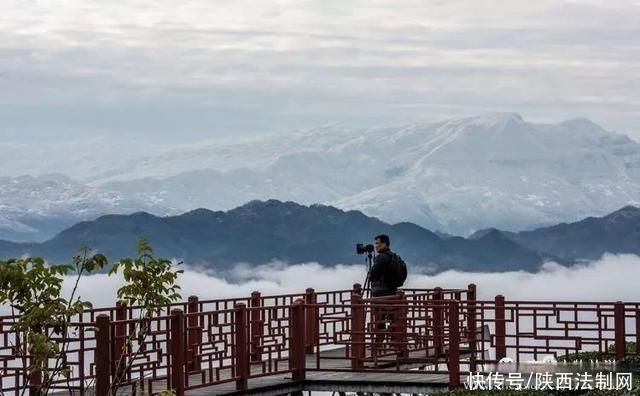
{"points": [[398, 271]]}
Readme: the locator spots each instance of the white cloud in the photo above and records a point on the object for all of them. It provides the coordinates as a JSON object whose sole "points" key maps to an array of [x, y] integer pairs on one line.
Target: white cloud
{"points": [[612, 278]]}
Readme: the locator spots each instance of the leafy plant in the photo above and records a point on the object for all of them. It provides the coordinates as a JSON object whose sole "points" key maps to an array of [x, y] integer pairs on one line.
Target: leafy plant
{"points": [[150, 281], [150, 286], [629, 347], [609, 354], [166, 392], [33, 291]]}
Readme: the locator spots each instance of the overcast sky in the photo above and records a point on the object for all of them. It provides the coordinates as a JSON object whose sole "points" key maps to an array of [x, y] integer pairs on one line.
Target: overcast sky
{"points": [[200, 69]]}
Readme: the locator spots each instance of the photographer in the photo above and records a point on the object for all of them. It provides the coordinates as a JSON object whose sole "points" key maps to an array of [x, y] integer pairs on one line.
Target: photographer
{"points": [[387, 274], [384, 276]]}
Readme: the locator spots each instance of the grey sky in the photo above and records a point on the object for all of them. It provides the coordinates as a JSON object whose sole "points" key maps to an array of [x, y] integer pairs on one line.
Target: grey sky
{"points": [[189, 70]]}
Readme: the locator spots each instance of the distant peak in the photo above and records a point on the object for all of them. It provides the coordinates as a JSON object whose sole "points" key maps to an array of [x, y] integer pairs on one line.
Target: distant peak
{"points": [[260, 203], [582, 124], [257, 204], [142, 214], [497, 118], [198, 212], [626, 212], [486, 233]]}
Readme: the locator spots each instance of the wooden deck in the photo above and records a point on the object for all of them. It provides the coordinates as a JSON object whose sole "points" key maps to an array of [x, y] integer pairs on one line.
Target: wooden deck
{"points": [[334, 381], [335, 375]]}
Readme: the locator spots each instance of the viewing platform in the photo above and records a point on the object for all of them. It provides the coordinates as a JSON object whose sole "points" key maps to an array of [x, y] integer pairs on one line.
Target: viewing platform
{"points": [[416, 341]]}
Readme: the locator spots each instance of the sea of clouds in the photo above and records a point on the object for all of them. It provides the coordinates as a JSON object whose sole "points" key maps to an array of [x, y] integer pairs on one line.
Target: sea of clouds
{"points": [[612, 278]]}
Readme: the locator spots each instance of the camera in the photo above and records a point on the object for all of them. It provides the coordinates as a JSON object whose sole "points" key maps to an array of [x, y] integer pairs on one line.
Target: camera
{"points": [[361, 248]]}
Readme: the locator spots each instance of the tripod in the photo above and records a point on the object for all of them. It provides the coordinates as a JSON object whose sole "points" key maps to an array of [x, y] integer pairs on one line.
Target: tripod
{"points": [[367, 281]]}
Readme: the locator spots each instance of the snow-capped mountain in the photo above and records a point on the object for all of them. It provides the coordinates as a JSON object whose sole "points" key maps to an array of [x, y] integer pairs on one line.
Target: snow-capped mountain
{"points": [[457, 176], [34, 208]]}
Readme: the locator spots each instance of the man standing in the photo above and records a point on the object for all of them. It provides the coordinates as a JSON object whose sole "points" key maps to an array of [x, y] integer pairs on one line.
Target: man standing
{"points": [[387, 274], [383, 275]]}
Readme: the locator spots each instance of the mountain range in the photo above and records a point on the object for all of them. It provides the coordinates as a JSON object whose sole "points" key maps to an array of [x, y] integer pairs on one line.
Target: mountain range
{"points": [[35, 208], [262, 231], [456, 176]]}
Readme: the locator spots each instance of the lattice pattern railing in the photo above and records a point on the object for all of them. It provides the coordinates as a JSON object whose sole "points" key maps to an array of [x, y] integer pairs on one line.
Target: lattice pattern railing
{"points": [[196, 344]]}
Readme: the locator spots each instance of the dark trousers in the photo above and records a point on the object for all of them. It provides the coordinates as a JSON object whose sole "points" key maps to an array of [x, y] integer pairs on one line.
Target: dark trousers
{"points": [[384, 320]]}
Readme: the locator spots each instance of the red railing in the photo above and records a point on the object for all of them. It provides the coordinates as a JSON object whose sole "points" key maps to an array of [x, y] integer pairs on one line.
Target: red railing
{"points": [[197, 344]]}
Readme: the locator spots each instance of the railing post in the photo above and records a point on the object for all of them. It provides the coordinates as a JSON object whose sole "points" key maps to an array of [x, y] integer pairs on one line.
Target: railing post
{"points": [[357, 288], [35, 384], [357, 331], [103, 355], [638, 331], [311, 320], [119, 341], [241, 350], [296, 340], [400, 319], [177, 351], [255, 327], [471, 324], [619, 329], [438, 320], [454, 345], [501, 329], [194, 334]]}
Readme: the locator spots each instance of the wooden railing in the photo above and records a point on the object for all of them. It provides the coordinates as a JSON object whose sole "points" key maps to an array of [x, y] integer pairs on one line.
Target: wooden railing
{"points": [[201, 343]]}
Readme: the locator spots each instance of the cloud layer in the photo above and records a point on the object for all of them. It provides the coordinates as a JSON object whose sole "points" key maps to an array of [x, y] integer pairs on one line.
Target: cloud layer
{"points": [[612, 278], [215, 68]]}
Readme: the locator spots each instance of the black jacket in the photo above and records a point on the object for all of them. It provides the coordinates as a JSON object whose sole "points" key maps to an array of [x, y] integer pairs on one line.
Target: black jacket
{"points": [[379, 272]]}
